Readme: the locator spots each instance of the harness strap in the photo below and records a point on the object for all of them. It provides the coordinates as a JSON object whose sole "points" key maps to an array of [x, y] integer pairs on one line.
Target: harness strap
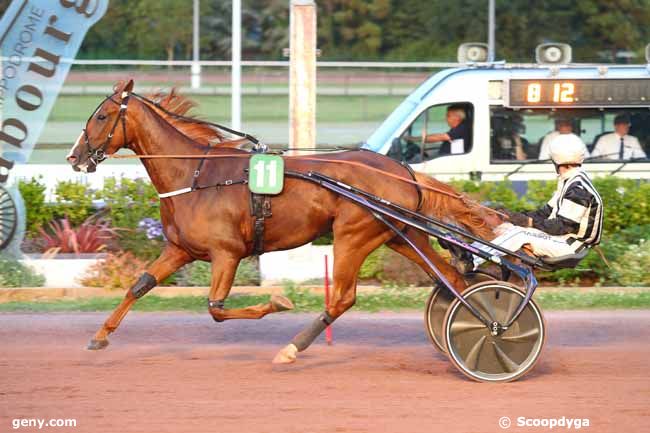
{"points": [[194, 187], [417, 185], [260, 210]]}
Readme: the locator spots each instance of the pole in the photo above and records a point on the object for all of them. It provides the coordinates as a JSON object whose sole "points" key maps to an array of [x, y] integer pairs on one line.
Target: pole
{"points": [[196, 67], [328, 330], [302, 74], [235, 103], [491, 25]]}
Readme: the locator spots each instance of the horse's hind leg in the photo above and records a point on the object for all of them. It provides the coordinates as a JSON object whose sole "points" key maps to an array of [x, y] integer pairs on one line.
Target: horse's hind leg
{"points": [[169, 261], [224, 268], [349, 254], [422, 242]]}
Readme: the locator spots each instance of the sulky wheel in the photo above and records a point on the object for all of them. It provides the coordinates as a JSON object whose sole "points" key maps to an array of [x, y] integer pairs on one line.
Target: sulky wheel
{"points": [[436, 308], [434, 315], [479, 354], [8, 218]]}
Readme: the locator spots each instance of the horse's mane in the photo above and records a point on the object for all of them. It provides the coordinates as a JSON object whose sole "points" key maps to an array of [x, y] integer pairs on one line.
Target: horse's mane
{"points": [[452, 206], [189, 124]]}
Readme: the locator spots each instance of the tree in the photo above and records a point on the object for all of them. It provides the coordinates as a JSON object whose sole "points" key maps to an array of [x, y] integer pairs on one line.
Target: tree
{"points": [[162, 25]]}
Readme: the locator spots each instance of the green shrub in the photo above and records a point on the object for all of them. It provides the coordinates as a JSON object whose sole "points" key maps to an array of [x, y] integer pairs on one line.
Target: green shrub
{"points": [[129, 201], [391, 269], [326, 239], [627, 201], [115, 272], [74, 200], [136, 242], [15, 274], [632, 268], [200, 274], [38, 212]]}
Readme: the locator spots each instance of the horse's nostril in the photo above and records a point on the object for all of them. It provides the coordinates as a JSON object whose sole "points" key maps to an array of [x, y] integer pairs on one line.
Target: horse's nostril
{"points": [[72, 159]]}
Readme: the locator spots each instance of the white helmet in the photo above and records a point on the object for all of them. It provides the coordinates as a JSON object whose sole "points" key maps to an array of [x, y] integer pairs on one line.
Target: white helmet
{"points": [[567, 149]]}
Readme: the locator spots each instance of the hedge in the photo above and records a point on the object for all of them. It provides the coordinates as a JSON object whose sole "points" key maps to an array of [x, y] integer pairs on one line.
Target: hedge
{"points": [[126, 202]]}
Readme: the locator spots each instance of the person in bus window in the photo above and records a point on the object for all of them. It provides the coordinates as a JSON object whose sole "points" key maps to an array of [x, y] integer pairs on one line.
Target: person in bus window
{"points": [[508, 143], [457, 139], [571, 220], [562, 126], [618, 145]]}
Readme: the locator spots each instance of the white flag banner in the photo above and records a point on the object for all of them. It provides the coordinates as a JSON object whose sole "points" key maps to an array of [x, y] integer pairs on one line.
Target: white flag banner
{"points": [[39, 40]]}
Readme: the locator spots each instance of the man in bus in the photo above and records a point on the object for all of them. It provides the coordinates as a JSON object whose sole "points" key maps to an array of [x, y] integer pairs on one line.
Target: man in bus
{"points": [[563, 125], [457, 139], [571, 220], [618, 145]]}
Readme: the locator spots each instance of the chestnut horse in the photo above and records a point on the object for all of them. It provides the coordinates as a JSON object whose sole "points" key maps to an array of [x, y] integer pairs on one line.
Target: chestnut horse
{"points": [[214, 224]]}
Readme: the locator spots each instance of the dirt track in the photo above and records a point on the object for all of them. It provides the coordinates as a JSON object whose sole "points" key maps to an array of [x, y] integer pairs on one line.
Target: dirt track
{"points": [[184, 373]]}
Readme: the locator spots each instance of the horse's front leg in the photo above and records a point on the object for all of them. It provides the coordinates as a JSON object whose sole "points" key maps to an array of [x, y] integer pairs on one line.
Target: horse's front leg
{"points": [[169, 261], [224, 267]]}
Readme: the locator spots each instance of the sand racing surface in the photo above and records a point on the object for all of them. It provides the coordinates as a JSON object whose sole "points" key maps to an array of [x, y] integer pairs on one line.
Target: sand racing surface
{"points": [[181, 372]]}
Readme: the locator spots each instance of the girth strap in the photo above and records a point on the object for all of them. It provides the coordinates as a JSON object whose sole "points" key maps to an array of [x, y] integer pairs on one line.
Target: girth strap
{"points": [[260, 210]]}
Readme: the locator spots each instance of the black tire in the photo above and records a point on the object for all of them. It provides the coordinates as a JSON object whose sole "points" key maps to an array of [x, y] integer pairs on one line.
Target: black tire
{"points": [[8, 218], [505, 357]]}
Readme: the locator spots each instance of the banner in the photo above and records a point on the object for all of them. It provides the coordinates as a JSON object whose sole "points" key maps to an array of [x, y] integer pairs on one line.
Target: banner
{"points": [[39, 39]]}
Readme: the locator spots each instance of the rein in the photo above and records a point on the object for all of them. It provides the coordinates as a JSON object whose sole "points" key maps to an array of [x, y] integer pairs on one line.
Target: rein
{"points": [[98, 154], [307, 158]]}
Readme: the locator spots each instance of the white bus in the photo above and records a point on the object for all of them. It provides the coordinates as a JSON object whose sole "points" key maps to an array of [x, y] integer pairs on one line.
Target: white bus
{"points": [[510, 109]]}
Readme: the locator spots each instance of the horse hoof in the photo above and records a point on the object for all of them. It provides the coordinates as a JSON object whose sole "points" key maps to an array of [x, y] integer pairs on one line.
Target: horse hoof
{"points": [[97, 344], [280, 303], [287, 355]]}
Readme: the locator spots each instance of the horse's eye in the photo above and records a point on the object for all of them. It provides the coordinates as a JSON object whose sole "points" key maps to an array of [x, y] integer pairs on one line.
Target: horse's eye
{"points": [[101, 117]]}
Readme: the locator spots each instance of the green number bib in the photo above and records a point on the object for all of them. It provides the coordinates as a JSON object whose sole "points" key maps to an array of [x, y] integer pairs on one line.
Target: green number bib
{"points": [[266, 174]]}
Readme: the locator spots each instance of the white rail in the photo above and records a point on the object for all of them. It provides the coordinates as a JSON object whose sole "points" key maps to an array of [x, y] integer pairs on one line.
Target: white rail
{"points": [[323, 64]]}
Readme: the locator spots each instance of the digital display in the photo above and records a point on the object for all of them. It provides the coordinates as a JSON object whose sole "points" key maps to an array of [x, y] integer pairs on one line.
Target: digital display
{"points": [[579, 93]]}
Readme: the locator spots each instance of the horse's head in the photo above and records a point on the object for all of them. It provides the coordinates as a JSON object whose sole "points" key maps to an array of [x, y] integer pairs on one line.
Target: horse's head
{"points": [[105, 132]]}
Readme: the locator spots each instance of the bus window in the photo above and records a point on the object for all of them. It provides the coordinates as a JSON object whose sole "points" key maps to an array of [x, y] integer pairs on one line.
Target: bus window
{"points": [[526, 134], [439, 130]]}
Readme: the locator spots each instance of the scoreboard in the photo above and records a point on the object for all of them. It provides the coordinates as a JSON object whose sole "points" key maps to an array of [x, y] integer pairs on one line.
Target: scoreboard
{"points": [[579, 92]]}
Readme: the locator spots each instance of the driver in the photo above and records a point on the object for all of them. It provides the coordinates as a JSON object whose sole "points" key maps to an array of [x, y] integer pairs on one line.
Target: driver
{"points": [[570, 221], [457, 139]]}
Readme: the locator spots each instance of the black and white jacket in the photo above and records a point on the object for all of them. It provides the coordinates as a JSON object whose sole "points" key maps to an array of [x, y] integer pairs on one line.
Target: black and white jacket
{"points": [[575, 212]]}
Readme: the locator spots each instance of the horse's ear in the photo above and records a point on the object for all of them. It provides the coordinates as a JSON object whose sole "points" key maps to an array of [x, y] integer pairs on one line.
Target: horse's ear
{"points": [[123, 88]]}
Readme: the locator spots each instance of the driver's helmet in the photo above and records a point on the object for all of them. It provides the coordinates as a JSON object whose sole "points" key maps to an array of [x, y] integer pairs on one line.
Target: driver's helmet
{"points": [[567, 149]]}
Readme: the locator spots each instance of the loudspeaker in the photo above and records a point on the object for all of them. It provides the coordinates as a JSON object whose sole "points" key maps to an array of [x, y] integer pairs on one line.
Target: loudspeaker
{"points": [[472, 52], [553, 54]]}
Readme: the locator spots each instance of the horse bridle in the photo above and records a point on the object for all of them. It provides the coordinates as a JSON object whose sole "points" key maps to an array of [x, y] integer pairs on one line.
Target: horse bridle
{"points": [[98, 154]]}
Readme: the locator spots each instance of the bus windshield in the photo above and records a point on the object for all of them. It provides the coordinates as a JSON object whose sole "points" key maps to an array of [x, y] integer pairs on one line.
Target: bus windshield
{"points": [[610, 134]]}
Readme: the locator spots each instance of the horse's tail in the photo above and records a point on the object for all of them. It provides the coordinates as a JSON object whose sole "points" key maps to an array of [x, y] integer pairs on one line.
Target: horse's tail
{"points": [[443, 202]]}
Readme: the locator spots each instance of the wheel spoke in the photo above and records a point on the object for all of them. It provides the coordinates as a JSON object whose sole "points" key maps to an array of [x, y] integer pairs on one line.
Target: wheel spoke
{"points": [[464, 326], [513, 303], [485, 304], [508, 364], [472, 357], [529, 335]]}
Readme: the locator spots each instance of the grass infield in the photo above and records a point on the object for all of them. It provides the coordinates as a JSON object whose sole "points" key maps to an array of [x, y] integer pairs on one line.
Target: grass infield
{"points": [[216, 108], [305, 301]]}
